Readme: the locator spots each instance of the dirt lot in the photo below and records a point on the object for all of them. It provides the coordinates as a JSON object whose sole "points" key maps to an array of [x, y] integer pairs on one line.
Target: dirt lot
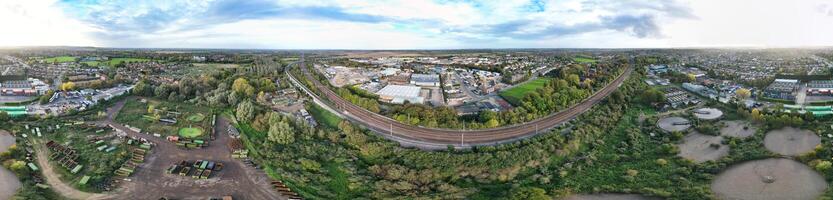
{"points": [[151, 182], [736, 129], [701, 148], [791, 141], [236, 179], [609, 197], [774, 178]]}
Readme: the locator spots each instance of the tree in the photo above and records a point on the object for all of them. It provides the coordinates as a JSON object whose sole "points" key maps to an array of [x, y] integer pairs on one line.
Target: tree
{"points": [[232, 98], [281, 133], [68, 86], [151, 108], [823, 166], [242, 86], [691, 77], [261, 97], [529, 193], [743, 93], [4, 116], [45, 97], [245, 111], [756, 115]]}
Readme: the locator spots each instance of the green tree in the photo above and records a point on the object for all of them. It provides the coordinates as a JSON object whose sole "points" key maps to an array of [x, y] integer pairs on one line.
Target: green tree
{"points": [[529, 193], [245, 111], [4, 116], [823, 166], [281, 133]]}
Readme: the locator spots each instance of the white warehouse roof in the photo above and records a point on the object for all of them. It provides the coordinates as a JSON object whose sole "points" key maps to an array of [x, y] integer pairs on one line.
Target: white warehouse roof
{"points": [[402, 91]]}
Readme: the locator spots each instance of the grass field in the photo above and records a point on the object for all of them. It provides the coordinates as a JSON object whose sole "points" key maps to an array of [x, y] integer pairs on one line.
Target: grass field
{"points": [[190, 132], [582, 59], [324, 117], [59, 59], [115, 61], [197, 117], [135, 113], [514, 95]]}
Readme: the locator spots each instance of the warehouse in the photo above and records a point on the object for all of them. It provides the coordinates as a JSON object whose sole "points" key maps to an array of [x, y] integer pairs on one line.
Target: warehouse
{"points": [[399, 94], [782, 89], [429, 80]]}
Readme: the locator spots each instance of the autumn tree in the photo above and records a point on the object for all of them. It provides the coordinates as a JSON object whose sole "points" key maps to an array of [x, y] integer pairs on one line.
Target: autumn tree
{"points": [[743, 93], [245, 111]]}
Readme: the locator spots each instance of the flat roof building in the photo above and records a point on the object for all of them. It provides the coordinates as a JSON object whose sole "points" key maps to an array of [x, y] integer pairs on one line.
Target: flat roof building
{"points": [[432, 80], [399, 94]]}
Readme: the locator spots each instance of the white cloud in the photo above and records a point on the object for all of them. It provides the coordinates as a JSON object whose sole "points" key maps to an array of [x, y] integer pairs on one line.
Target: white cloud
{"points": [[37, 22], [405, 24]]}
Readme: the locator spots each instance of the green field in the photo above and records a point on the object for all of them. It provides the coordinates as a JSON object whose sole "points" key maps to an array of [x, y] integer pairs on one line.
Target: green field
{"points": [[190, 132], [115, 61], [324, 117], [135, 113], [197, 117], [582, 59], [514, 95], [59, 59]]}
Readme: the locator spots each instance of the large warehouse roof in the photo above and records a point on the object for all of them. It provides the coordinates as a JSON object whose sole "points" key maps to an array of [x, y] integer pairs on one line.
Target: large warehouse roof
{"points": [[399, 91]]}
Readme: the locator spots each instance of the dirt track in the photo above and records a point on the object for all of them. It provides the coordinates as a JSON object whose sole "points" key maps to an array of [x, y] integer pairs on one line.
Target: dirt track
{"points": [[54, 180], [436, 138]]}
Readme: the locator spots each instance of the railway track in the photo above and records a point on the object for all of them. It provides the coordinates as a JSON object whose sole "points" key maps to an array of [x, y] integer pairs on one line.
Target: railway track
{"points": [[438, 138]]}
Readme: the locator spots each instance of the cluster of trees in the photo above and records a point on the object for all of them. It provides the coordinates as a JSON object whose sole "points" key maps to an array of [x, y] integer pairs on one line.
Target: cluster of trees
{"points": [[361, 99]]}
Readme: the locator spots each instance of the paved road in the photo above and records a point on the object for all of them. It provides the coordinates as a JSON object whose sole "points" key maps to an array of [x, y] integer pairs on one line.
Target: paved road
{"points": [[436, 138]]}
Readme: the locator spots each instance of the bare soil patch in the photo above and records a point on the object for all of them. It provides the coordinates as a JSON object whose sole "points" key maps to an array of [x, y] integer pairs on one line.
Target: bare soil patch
{"points": [[672, 124], [701, 148], [791, 141], [738, 128], [769, 179]]}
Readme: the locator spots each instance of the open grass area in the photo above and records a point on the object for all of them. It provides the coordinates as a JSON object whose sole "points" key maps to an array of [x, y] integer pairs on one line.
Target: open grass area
{"points": [[85, 140], [59, 59], [516, 94], [135, 113], [190, 132], [196, 117], [324, 117], [583, 59]]}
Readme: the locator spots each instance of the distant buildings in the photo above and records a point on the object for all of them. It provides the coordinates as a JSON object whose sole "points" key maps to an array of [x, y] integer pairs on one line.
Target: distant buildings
{"points": [[782, 89], [658, 69], [426, 80], [820, 87], [398, 94], [29, 87]]}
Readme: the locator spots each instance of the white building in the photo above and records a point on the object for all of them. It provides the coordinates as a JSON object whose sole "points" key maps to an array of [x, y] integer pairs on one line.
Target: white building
{"points": [[399, 94]]}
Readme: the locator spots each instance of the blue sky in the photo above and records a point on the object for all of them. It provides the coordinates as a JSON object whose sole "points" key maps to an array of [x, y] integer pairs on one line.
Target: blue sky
{"points": [[416, 24]]}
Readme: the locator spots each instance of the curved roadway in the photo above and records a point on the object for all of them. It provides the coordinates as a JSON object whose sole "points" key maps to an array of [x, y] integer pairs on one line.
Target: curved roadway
{"points": [[437, 138]]}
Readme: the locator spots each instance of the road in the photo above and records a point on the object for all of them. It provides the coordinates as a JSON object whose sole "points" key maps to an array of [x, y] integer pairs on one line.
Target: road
{"points": [[437, 138]]}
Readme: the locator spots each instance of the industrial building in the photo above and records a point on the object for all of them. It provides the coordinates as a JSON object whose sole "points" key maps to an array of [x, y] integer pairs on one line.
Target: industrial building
{"points": [[426, 80], [820, 87], [29, 87], [782, 89], [398, 94]]}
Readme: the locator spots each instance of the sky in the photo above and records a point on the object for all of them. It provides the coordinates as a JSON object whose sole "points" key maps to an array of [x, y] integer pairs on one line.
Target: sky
{"points": [[416, 24]]}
